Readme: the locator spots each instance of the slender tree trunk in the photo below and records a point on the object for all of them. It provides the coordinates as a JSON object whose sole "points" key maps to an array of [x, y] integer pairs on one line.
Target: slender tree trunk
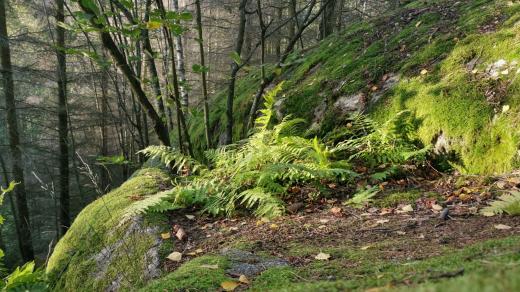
{"points": [[62, 120], [181, 67], [159, 126], [25, 241], [149, 56], [328, 18], [203, 74], [278, 39], [176, 90], [234, 70]]}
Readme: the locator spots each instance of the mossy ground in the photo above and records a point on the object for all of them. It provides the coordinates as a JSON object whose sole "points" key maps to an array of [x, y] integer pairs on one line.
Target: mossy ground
{"points": [[72, 266], [438, 36]]}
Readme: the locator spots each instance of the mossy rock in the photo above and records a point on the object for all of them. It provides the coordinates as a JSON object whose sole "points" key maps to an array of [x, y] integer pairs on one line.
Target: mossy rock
{"points": [[99, 253]]}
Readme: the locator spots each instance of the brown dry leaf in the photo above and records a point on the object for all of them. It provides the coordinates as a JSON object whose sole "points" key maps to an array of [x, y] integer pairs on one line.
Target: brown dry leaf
{"points": [[212, 267], [336, 211], [181, 234], [273, 226], [502, 227], [366, 247], [374, 88], [229, 285], [136, 198], [244, 279], [166, 235], [382, 221], [175, 256], [322, 256], [190, 217], [501, 185]]}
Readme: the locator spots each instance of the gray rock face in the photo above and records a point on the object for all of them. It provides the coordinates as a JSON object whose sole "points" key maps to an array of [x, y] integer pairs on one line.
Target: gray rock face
{"points": [[248, 264], [351, 103], [110, 253], [389, 83]]}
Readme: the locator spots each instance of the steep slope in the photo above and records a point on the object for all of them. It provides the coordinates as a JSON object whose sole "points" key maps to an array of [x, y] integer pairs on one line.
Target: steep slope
{"points": [[454, 64]]}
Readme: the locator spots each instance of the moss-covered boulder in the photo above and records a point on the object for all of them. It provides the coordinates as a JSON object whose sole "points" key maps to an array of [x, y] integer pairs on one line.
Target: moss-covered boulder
{"points": [[99, 253]]}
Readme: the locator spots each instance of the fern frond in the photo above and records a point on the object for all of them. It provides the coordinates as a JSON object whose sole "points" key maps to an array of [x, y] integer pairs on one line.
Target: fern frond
{"points": [[508, 203]]}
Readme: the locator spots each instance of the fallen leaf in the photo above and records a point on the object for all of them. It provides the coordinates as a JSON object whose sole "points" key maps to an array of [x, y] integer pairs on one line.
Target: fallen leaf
{"points": [[336, 211], [424, 72], [501, 185], [382, 221], [212, 267], [437, 207], [324, 221], [175, 256], [366, 247], [322, 256], [273, 226], [181, 234], [400, 232], [418, 23], [407, 208], [190, 217], [229, 285], [244, 279], [166, 235], [502, 227]]}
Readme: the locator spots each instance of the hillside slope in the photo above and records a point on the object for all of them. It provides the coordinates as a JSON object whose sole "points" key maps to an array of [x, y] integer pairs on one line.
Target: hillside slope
{"points": [[454, 64]]}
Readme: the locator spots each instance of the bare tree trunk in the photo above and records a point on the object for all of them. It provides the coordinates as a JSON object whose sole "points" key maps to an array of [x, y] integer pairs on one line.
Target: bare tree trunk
{"points": [[176, 90], [159, 126], [179, 49], [203, 74], [328, 18], [25, 240], [234, 70], [62, 120]]}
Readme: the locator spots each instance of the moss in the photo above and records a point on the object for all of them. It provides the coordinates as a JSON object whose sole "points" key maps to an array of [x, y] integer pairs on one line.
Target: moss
{"points": [[393, 199], [193, 276], [274, 278], [364, 270], [73, 266]]}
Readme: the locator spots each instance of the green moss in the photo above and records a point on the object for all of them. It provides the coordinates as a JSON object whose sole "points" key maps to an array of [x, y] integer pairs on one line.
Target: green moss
{"points": [[486, 261], [393, 199], [73, 266], [274, 278], [193, 276]]}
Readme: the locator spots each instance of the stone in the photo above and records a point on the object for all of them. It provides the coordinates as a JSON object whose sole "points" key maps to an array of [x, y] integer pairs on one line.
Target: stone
{"points": [[249, 264]]}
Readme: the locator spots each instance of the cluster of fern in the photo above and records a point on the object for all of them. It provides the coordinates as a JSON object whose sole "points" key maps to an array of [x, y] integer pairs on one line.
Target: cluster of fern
{"points": [[256, 173]]}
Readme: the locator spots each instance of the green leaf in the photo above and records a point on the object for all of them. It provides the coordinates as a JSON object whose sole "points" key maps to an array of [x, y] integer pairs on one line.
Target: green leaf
{"points": [[91, 5], [153, 25], [197, 68], [236, 57], [186, 16]]}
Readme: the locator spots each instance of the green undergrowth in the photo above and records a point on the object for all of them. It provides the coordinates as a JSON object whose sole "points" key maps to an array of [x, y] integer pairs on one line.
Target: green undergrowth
{"points": [[204, 273], [449, 99], [73, 265], [350, 268]]}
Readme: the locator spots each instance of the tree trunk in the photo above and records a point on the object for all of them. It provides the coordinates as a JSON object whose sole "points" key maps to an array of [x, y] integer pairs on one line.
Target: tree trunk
{"points": [[160, 127], [203, 74], [62, 120], [176, 91], [328, 19], [234, 70], [25, 240], [181, 67]]}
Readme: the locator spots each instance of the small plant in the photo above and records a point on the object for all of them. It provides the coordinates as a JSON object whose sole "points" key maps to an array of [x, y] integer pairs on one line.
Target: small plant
{"points": [[24, 278], [362, 197], [508, 203]]}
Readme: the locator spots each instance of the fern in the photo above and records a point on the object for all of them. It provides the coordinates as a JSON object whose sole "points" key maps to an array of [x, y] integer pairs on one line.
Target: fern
{"points": [[173, 158], [362, 197], [508, 203]]}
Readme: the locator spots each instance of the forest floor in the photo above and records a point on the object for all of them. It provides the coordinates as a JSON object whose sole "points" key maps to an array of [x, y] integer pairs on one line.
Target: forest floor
{"points": [[404, 238]]}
